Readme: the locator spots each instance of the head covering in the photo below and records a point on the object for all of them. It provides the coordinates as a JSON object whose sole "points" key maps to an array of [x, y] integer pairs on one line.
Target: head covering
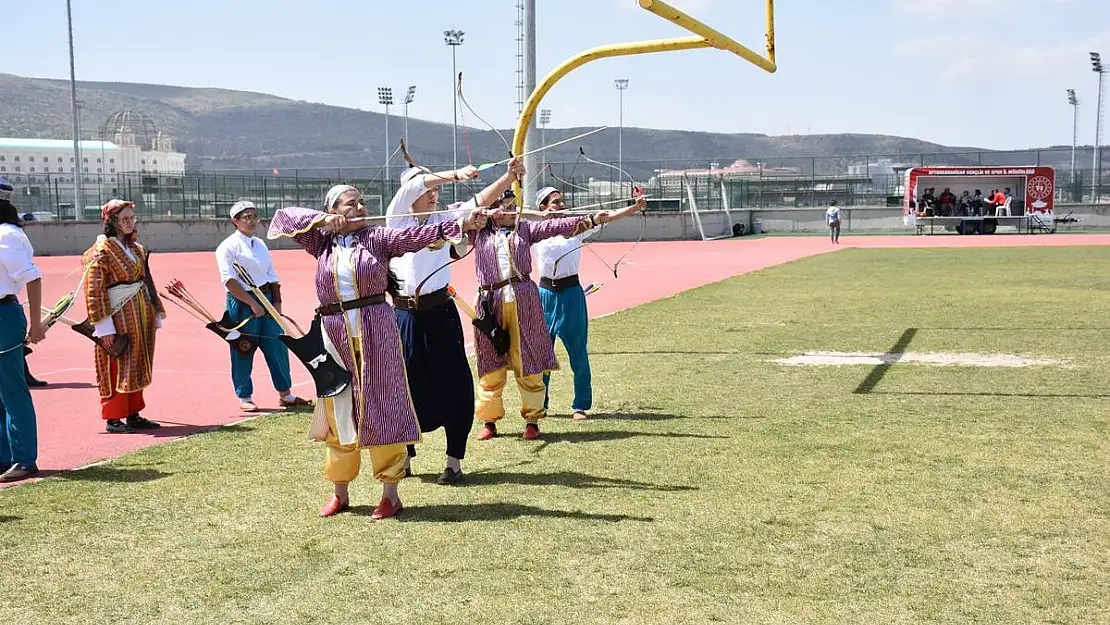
{"points": [[27, 217], [6, 189], [113, 207], [241, 206], [333, 194], [542, 194], [410, 173]]}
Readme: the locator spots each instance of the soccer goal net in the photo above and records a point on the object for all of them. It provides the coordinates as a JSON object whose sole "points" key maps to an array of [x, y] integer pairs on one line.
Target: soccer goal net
{"points": [[717, 224]]}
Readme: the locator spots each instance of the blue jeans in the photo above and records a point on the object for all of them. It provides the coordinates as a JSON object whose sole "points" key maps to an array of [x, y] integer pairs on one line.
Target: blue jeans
{"points": [[275, 352], [567, 319], [19, 443]]}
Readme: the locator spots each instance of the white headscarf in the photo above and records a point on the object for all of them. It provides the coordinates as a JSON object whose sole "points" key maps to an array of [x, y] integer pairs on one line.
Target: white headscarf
{"points": [[335, 192]]}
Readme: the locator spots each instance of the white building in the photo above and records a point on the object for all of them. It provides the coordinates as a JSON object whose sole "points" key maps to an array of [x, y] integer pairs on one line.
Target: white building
{"points": [[43, 172], [27, 159]]}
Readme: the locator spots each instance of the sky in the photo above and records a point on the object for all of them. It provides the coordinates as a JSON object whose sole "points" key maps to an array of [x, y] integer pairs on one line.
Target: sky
{"points": [[979, 73]]}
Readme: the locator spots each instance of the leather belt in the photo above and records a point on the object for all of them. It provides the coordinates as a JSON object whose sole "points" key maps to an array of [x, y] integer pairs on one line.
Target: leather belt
{"points": [[9, 299], [426, 302], [559, 284], [335, 308], [502, 284]]}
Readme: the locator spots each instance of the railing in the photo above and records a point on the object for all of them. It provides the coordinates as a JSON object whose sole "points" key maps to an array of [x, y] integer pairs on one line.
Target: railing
{"points": [[874, 180]]}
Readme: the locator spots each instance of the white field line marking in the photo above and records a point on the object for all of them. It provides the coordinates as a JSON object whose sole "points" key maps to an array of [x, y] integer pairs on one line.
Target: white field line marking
{"points": [[942, 359]]}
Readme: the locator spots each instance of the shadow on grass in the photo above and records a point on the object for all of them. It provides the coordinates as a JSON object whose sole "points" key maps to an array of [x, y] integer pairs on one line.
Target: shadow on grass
{"points": [[601, 436], [569, 479], [9, 519], [456, 513], [996, 394], [634, 416], [109, 474], [872, 380]]}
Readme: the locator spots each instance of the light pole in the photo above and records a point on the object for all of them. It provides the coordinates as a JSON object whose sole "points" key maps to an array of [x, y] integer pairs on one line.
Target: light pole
{"points": [[621, 84], [1096, 66], [1074, 102], [385, 96], [408, 100], [78, 199], [545, 119], [454, 38]]}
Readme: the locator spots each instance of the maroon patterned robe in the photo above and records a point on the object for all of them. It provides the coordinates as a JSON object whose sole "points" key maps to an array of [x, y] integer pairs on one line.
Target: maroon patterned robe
{"points": [[383, 409], [536, 351]]}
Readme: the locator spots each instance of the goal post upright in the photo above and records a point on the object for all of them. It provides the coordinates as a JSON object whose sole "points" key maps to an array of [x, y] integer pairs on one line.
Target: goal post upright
{"points": [[704, 37]]}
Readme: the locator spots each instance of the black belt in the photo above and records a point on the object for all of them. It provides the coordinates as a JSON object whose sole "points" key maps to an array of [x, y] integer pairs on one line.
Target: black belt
{"points": [[425, 302], [335, 308], [9, 299], [502, 284], [559, 284]]}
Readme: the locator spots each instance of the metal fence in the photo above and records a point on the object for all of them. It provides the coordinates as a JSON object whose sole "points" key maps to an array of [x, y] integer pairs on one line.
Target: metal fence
{"points": [[782, 182]]}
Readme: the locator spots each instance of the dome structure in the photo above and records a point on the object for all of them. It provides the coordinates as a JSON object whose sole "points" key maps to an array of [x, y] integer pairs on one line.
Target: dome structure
{"points": [[130, 128]]}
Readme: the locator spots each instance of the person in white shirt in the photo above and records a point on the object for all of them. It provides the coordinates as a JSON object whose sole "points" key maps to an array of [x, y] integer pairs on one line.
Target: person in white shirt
{"points": [[18, 429], [832, 220], [244, 248], [564, 302], [438, 372]]}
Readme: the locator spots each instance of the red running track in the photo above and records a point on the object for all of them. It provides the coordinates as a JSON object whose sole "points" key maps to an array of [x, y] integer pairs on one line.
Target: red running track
{"points": [[192, 389]]}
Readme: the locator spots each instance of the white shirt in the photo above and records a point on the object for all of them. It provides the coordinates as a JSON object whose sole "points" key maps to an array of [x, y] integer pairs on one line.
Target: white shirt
{"points": [[501, 242], [832, 214], [345, 282], [107, 327], [549, 251], [17, 260], [412, 268], [251, 253]]}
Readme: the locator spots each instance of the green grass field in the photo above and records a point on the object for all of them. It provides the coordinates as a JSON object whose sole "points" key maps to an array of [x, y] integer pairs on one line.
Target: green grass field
{"points": [[714, 485]]}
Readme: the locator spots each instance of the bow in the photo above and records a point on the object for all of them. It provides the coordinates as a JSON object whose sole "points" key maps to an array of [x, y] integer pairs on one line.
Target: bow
{"points": [[412, 162], [508, 148], [636, 193]]}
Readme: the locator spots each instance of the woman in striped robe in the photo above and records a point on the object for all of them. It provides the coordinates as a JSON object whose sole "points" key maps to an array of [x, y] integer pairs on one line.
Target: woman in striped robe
{"points": [[503, 262], [116, 266], [376, 410]]}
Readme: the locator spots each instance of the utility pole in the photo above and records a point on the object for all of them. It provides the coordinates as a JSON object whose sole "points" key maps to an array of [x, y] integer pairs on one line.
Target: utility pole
{"points": [[454, 39], [621, 84], [545, 119], [385, 96], [1096, 169], [528, 184], [409, 96], [1074, 102], [78, 195]]}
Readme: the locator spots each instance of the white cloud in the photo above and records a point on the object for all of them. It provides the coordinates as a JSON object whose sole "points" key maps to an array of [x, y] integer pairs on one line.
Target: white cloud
{"points": [[935, 10], [969, 57]]}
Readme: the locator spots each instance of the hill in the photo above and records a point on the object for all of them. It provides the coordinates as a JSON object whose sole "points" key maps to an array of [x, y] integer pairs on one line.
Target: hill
{"points": [[223, 129]]}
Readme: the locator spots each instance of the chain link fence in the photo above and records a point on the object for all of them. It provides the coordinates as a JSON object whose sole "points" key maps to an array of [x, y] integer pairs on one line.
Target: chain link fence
{"points": [[783, 182]]}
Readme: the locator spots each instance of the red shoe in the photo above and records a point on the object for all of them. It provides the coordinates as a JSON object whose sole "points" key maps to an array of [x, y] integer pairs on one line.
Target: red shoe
{"points": [[334, 506], [489, 431], [531, 431], [386, 508]]}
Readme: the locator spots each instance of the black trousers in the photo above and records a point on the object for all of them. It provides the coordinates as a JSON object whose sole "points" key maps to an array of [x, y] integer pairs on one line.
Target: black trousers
{"points": [[440, 381]]}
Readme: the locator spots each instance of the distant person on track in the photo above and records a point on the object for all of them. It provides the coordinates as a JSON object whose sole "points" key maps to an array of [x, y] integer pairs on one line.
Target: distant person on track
{"points": [[19, 431], [832, 220], [262, 330], [360, 331], [503, 262], [120, 304], [439, 377]]}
